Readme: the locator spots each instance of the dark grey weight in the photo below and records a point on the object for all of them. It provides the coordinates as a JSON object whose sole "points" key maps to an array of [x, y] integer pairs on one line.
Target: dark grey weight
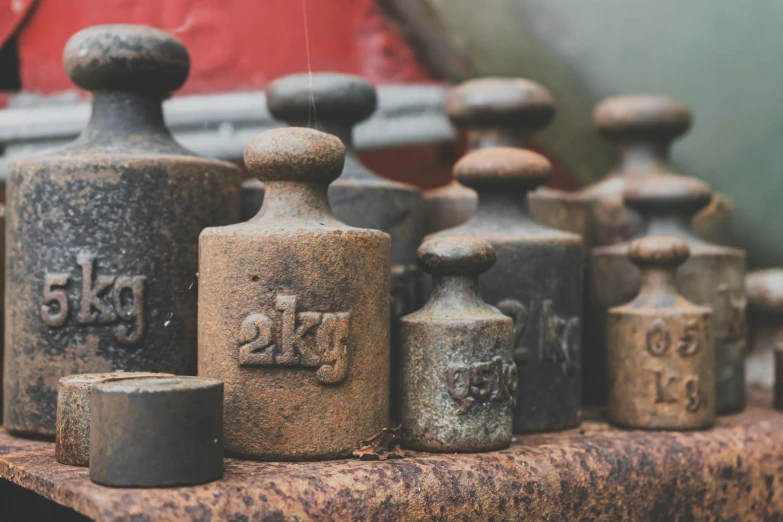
{"points": [[156, 432], [537, 281], [102, 234], [334, 103], [459, 379]]}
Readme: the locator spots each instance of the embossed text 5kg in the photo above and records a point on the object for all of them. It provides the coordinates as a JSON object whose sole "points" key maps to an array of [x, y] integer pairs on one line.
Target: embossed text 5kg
{"points": [[104, 300]]}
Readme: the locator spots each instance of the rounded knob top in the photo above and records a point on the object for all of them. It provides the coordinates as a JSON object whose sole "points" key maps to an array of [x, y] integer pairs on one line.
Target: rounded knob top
{"points": [[668, 194], [303, 98], [488, 102], [503, 167], [295, 154], [658, 252], [128, 58], [456, 255], [641, 118], [765, 290]]}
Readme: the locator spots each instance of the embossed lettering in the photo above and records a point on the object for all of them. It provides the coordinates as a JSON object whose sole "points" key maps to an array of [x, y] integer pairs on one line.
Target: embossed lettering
{"points": [[286, 337], [330, 340], [729, 314], [692, 394], [256, 335], [480, 382], [557, 337], [93, 308], [658, 338], [104, 300], [691, 339], [666, 390], [54, 311], [129, 305], [663, 388], [518, 314]]}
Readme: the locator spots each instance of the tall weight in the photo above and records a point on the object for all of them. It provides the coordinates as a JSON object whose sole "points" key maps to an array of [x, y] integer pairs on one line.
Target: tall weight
{"points": [[537, 281], [103, 234], [294, 311]]}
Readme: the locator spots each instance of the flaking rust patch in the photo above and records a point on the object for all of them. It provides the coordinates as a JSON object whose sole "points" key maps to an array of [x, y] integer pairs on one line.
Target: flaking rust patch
{"points": [[382, 446]]}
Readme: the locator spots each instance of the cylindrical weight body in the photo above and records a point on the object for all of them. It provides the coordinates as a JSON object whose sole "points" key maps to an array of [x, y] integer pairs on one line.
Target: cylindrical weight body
{"points": [[102, 262], [317, 297], [661, 367], [156, 432], [713, 276], [72, 443]]}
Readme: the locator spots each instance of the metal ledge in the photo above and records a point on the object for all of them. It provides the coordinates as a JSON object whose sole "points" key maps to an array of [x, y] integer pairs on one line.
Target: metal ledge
{"points": [[220, 125], [595, 472]]}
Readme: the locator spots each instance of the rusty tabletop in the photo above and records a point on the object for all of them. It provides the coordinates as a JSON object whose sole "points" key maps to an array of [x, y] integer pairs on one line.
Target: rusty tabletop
{"points": [[594, 472]]}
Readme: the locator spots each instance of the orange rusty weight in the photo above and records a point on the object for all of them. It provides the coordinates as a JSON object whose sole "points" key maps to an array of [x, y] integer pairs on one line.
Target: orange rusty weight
{"points": [[294, 311], [661, 347]]}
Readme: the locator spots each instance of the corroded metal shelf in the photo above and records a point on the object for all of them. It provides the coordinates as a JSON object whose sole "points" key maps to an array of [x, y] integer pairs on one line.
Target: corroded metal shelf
{"points": [[732, 472]]}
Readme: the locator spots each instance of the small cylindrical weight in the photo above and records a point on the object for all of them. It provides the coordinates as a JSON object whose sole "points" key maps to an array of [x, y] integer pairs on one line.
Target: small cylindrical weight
{"points": [[459, 379], [661, 348], [72, 443], [156, 432]]}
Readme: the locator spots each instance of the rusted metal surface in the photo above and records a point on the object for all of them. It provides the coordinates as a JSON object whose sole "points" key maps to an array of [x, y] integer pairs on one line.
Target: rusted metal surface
{"points": [[103, 234], [459, 379], [661, 347], [335, 103], [713, 276], [494, 112], [643, 128], [156, 431], [731, 472], [499, 112], [294, 311], [765, 322], [72, 441], [537, 281], [448, 206]]}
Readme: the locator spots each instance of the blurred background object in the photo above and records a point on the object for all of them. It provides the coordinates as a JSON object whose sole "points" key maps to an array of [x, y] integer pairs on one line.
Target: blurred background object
{"points": [[717, 56]]}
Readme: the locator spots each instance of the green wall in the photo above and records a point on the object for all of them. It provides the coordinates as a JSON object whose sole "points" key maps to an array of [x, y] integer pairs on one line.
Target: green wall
{"points": [[722, 57]]}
